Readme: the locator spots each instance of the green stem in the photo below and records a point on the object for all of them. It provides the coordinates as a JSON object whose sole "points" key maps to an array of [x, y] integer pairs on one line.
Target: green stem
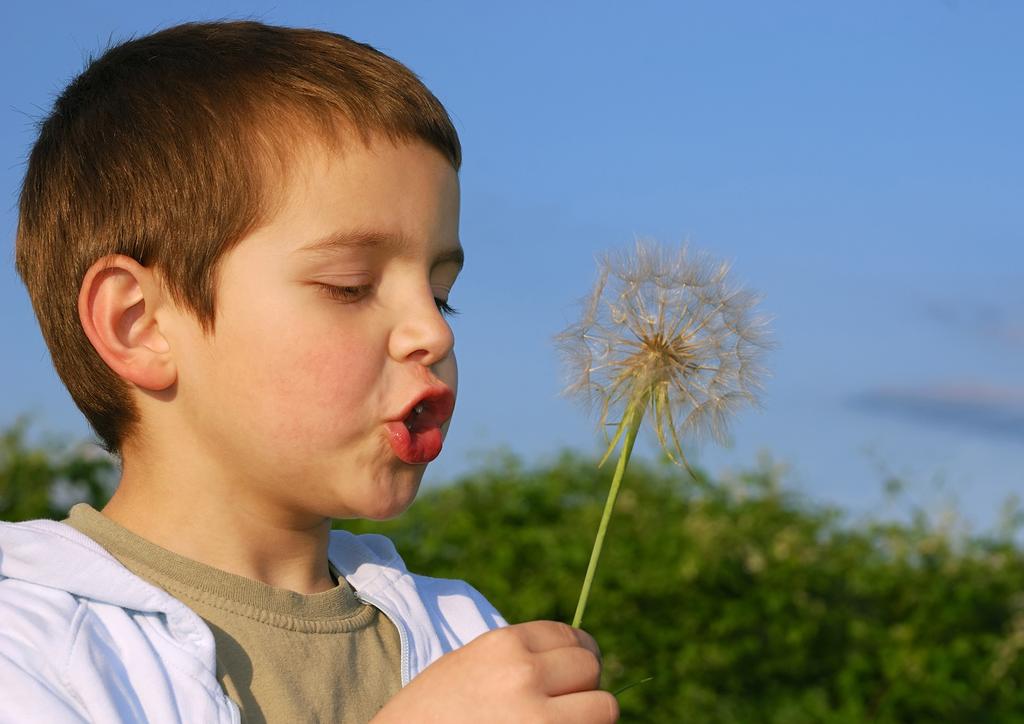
{"points": [[627, 687], [632, 421]]}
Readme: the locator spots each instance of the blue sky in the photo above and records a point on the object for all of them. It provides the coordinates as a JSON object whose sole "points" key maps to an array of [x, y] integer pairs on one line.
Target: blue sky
{"points": [[861, 164]]}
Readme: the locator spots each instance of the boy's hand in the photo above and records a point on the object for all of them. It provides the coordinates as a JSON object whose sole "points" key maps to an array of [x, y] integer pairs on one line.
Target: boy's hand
{"points": [[541, 671]]}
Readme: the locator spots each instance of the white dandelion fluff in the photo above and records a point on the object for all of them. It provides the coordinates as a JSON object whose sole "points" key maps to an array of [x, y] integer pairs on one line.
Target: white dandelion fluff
{"points": [[665, 329]]}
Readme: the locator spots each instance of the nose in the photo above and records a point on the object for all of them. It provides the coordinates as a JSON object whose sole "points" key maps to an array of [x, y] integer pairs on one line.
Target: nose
{"points": [[421, 332]]}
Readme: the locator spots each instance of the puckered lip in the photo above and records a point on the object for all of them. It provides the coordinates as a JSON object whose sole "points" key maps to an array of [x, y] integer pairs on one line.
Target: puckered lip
{"points": [[438, 401]]}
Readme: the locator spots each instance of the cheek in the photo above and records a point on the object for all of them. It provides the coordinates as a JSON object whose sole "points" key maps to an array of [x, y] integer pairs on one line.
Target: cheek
{"points": [[302, 385], [321, 383], [447, 370]]}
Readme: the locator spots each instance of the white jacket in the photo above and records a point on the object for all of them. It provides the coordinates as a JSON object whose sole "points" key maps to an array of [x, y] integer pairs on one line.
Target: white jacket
{"points": [[82, 638]]}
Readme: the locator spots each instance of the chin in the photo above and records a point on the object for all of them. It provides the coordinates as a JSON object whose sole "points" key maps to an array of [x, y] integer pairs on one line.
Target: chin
{"points": [[393, 502], [387, 512]]}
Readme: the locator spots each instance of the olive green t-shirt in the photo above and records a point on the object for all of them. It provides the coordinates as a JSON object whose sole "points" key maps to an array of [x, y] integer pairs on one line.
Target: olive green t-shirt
{"points": [[281, 656]]}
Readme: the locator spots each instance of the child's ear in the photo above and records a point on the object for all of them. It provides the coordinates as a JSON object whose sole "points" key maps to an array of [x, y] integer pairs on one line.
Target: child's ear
{"points": [[117, 306]]}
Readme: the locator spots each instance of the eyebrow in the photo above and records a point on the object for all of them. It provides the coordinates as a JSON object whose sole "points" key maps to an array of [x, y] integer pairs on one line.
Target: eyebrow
{"points": [[391, 243]]}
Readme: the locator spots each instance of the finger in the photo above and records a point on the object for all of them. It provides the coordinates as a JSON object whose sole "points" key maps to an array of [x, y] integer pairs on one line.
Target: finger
{"points": [[587, 707], [568, 670], [541, 636]]}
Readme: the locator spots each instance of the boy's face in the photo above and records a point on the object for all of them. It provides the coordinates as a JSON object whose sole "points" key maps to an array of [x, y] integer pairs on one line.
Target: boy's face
{"points": [[328, 331]]}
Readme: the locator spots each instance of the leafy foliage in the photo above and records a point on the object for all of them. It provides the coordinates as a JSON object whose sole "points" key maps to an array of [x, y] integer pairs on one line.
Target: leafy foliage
{"points": [[42, 480], [744, 604]]}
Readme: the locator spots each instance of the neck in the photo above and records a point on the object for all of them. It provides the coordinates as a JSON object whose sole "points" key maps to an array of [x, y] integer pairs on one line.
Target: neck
{"points": [[210, 518]]}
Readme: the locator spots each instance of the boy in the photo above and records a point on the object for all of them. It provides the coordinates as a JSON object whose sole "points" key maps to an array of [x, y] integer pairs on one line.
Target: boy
{"points": [[240, 242]]}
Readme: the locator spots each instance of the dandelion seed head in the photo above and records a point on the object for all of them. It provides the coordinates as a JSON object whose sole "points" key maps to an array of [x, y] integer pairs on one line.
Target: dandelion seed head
{"points": [[665, 328]]}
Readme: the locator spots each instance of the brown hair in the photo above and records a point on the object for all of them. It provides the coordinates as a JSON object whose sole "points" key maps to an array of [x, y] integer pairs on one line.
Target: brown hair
{"points": [[163, 150]]}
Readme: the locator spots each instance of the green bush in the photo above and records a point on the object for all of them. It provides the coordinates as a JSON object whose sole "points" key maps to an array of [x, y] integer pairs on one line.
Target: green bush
{"points": [[743, 604], [43, 479]]}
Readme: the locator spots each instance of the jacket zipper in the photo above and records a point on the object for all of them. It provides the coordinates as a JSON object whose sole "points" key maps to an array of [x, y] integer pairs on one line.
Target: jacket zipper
{"points": [[403, 636]]}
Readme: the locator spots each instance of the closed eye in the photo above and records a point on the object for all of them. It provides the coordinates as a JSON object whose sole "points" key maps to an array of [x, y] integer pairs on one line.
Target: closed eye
{"points": [[355, 293], [345, 294]]}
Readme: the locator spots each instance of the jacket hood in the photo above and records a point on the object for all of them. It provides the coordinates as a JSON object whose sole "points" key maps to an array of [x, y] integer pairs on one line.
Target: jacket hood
{"points": [[55, 555]]}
